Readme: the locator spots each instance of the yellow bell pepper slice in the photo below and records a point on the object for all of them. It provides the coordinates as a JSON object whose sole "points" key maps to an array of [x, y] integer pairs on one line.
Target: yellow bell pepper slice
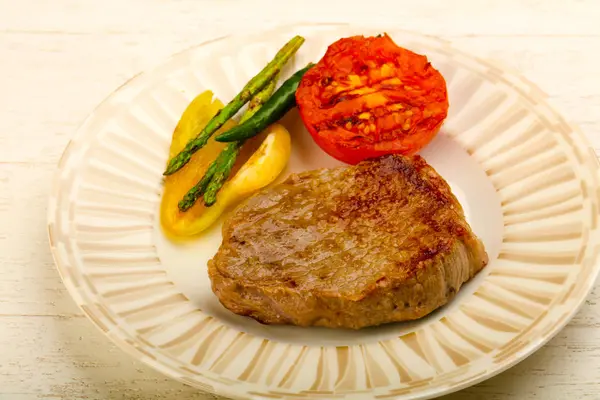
{"points": [[262, 168]]}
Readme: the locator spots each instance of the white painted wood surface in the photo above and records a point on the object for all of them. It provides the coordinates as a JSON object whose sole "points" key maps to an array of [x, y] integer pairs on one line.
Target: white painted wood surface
{"points": [[59, 58]]}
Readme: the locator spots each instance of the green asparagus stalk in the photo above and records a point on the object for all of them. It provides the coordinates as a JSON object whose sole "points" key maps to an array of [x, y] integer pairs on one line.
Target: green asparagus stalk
{"points": [[199, 188], [233, 149], [260, 99], [223, 170], [218, 171], [254, 86]]}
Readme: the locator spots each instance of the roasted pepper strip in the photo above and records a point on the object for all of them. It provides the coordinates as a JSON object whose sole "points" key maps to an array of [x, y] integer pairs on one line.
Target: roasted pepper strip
{"points": [[193, 119], [263, 166], [218, 172]]}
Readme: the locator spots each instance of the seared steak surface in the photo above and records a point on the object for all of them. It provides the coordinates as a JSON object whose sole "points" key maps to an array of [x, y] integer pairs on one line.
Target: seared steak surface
{"points": [[349, 247]]}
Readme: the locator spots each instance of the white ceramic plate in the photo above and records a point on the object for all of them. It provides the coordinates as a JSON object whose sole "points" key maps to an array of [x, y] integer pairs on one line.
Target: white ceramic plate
{"points": [[528, 181]]}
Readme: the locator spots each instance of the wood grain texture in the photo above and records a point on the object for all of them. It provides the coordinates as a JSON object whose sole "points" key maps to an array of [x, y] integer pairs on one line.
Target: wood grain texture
{"points": [[61, 58]]}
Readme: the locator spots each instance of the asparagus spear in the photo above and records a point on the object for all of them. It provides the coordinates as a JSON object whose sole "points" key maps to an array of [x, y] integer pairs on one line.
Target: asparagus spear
{"points": [[198, 190], [283, 100], [218, 171], [223, 170], [254, 86], [233, 149]]}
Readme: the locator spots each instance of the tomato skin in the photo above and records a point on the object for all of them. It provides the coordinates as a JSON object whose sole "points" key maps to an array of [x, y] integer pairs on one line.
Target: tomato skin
{"points": [[368, 97]]}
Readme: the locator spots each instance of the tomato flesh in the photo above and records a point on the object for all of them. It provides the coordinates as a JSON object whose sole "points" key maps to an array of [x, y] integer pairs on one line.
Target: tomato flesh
{"points": [[368, 97]]}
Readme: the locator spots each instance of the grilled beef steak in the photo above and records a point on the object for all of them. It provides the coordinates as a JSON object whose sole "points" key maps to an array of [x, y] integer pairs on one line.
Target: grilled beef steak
{"points": [[350, 247]]}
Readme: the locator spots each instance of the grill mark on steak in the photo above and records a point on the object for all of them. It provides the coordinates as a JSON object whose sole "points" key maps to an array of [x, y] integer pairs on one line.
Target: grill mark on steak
{"points": [[347, 247]]}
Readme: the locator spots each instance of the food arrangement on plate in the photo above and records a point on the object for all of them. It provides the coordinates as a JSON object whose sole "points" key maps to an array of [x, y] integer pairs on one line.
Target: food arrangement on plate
{"points": [[382, 239], [344, 213]]}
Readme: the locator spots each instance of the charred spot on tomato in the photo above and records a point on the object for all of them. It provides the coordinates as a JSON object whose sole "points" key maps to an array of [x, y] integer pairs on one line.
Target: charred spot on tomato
{"points": [[381, 98], [339, 99], [326, 81], [344, 121]]}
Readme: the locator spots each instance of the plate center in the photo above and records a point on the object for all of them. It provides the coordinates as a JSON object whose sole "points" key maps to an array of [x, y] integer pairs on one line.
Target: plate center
{"points": [[186, 263]]}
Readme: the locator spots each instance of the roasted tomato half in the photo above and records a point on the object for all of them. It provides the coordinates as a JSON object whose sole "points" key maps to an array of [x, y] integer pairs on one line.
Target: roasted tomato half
{"points": [[368, 97]]}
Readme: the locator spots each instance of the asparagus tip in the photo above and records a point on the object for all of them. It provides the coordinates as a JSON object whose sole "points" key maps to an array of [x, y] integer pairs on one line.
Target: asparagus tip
{"points": [[171, 167], [209, 200], [185, 204]]}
